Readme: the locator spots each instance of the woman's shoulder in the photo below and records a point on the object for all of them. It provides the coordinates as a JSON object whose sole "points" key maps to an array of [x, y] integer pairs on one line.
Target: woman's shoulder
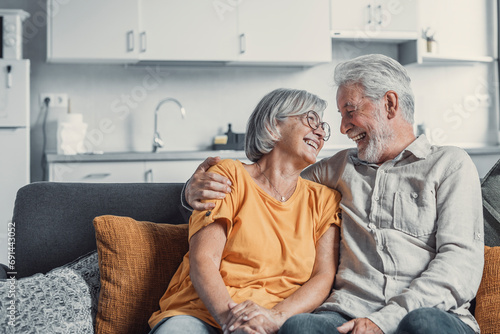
{"points": [[227, 164], [232, 169], [320, 189]]}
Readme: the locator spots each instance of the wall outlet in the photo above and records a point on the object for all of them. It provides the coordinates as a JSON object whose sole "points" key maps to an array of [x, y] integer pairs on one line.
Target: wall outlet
{"points": [[56, 100]]}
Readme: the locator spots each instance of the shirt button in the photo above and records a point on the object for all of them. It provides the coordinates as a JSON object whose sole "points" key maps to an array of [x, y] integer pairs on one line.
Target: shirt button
{"points": [[371, 226], [381, 247], [376, 198], [414, 195]]}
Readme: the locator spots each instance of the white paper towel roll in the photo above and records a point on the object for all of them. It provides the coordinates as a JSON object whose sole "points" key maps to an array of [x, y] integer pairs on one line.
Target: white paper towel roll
{"points": [[71, 131]]}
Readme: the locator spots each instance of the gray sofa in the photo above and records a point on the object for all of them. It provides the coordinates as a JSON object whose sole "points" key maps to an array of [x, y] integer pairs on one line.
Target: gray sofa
{"points": [[53, 227]]}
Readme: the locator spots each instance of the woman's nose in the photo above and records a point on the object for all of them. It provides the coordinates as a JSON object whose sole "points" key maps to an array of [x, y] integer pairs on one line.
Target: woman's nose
{"points": [[320, 132]]}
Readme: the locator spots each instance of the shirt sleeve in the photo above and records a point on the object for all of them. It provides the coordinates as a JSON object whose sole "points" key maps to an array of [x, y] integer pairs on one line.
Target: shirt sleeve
{"points": [[453, 276], [331, 213], [224, 208]]}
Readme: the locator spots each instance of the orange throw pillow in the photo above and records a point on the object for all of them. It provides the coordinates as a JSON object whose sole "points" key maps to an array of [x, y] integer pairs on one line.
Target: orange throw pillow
{"points": [[488, 296], [136, 262]]}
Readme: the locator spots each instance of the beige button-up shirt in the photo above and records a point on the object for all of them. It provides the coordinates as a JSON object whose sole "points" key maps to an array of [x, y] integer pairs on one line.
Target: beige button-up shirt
{"points": [[411, 236]]}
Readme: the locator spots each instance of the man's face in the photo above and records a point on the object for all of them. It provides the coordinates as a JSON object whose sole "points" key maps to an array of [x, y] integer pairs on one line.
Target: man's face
{"points": [[365, 122]]}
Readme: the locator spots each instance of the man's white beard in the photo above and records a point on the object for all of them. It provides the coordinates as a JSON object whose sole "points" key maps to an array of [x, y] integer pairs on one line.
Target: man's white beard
{"points": [[378, 142]]}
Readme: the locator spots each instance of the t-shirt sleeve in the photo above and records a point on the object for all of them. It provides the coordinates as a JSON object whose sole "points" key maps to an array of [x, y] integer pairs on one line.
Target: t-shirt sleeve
{"points": [[330, 214], [224, 208]]}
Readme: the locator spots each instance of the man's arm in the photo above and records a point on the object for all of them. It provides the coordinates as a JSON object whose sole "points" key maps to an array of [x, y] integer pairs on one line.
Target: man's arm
{"points": [[204, 185]]}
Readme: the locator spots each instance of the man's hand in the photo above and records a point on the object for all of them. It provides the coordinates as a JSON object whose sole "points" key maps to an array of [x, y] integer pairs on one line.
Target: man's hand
{"points": [[360, 326], [206, 186], [257, 325], [249, 317]]}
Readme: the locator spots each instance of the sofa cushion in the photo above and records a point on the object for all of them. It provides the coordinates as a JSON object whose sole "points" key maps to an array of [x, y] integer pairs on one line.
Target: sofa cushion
{"points": [[137, 259], [62, 301], [488, 296], [490, 187]]}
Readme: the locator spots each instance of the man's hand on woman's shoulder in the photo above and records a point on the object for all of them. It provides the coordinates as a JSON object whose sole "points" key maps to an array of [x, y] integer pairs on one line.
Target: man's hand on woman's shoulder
{"points": [[206, 186]]}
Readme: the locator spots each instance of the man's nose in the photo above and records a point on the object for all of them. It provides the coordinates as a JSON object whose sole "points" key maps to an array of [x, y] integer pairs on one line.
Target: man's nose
{"points": [[345, 125]]}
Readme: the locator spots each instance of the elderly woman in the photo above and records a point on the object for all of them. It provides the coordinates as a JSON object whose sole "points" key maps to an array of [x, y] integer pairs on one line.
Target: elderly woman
{"points": [[269, 249]]}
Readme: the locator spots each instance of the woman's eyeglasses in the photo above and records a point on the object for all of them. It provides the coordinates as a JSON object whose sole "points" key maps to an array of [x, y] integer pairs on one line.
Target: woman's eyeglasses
{"points": [[314, 122]]}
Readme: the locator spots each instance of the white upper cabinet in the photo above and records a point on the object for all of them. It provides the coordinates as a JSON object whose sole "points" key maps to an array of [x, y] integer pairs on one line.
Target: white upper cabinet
{"points": [[382, 20], [465, 37], [194, 30], [272, 32], [284, 31], [93, 31]]}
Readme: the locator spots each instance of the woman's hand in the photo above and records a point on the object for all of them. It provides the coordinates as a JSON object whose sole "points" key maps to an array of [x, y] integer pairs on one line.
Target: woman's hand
{"points": [[249, 317], [206, 186]]}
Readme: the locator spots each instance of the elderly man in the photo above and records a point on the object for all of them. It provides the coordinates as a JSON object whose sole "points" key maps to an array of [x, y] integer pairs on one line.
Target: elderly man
{"points": [[411, 253]]}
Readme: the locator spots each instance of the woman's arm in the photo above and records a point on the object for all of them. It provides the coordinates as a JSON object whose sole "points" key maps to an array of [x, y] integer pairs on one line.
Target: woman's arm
{"points": [[205, 253], [307, 297]]}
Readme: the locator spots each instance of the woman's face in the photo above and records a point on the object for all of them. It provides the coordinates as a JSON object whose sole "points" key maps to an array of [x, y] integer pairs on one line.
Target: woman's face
{"points": [[299, 140]]}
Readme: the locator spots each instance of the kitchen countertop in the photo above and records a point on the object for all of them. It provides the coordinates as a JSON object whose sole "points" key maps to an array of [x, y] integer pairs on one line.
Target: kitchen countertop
{"points": [[200, 155], [162, 156]]}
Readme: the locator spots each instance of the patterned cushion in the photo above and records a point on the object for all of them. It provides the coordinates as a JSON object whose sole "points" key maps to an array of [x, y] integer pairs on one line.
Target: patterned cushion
{"points": [[488, 296], [136, 260], [62, 301]]}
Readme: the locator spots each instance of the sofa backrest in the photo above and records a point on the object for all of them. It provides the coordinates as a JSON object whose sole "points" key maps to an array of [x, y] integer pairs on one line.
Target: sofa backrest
{"points": [[54, 221]]}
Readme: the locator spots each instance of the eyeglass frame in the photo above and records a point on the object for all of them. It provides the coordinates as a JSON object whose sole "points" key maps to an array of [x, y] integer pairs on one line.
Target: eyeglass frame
{"points": [[320, 123]]}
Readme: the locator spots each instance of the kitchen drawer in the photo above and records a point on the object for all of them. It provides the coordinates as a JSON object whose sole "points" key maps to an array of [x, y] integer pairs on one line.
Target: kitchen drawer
{"points": [[97, 172], [173, 171], [170, 171]]}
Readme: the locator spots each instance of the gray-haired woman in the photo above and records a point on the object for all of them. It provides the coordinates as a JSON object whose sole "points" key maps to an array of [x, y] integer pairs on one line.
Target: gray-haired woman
{"points": [[269, 249]]}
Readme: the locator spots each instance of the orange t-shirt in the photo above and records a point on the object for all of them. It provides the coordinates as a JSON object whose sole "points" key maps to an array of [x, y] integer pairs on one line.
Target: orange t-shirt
{"points": [[271, 245]]}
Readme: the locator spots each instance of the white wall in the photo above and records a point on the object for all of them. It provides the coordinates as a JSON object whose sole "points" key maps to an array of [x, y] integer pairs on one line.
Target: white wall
{"points": [[118, 102]]}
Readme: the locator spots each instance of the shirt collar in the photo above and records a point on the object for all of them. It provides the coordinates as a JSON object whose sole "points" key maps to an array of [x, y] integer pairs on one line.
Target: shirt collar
{"points": [[419, 148]]}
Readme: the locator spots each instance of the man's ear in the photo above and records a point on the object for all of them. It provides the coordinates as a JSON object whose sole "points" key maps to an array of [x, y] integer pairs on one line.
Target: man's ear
{"points": [[391, 103]]}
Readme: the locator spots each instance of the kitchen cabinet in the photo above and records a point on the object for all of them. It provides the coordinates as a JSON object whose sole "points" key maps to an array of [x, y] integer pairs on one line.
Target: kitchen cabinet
{"points": [[255, 32], [129, 171], [375, 20], [93, 31], [170, 171], [282, 31], [173, 170], [174, 166], [179, 30], [456, 43]]}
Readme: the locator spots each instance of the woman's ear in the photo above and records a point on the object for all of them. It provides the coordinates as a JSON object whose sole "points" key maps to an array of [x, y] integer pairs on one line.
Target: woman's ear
{"points": [[391, 103]]}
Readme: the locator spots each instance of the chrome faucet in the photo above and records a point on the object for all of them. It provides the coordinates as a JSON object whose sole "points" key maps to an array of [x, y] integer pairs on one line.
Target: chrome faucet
{"points": [[157, 141]]}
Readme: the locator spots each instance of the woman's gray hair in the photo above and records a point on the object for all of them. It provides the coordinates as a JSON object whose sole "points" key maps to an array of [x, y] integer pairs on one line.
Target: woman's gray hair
{"points": [[262, 132], [378, 74]]}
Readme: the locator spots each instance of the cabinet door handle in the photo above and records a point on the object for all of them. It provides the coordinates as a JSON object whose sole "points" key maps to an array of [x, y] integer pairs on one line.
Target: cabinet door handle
{"points": [[143, 41], [130, 41], [148, 176], [96, 176], [370, 13], [243, 43], [379, 7]]}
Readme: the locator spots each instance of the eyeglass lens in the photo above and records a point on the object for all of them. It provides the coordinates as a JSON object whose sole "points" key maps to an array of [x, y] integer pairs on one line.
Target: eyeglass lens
{"points": [[314, 122]]}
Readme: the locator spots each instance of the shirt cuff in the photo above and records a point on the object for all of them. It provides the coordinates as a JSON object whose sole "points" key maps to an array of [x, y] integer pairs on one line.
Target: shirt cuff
{"points": [[184, 204], [388, 318]]}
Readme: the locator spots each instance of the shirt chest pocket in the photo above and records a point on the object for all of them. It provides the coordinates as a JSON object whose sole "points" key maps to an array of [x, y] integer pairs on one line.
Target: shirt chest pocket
{"points": [[415, 212]]}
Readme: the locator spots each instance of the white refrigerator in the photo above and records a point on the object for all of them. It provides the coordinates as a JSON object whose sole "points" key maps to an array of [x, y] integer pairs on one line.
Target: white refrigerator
{"points": [[14, 141]]}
